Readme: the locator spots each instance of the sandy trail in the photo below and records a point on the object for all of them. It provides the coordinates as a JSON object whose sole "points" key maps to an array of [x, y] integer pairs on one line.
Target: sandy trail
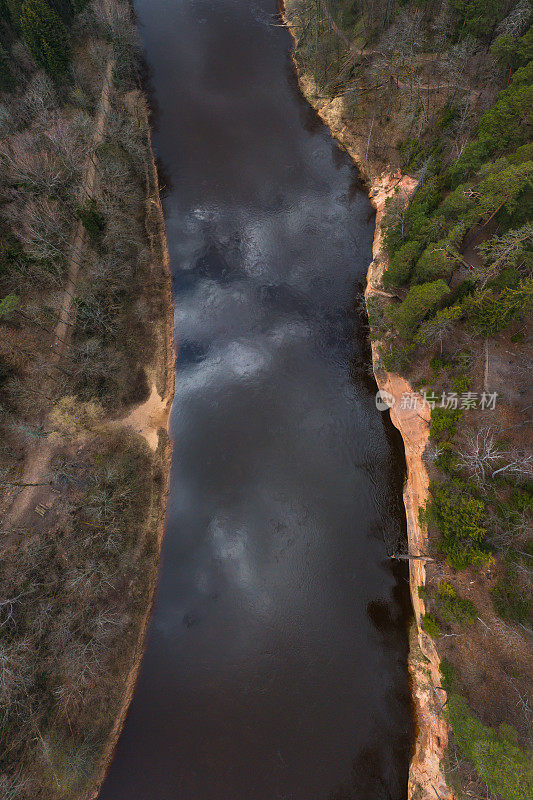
{"points": [[38, 459], [148, 417]]}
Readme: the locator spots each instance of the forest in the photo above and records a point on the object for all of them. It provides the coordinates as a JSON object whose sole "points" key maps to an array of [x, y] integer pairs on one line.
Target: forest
{"points": [[81, 492]]}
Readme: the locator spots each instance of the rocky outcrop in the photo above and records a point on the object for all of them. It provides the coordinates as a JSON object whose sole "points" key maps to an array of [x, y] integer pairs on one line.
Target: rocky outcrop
{"points": [[426, 776]]}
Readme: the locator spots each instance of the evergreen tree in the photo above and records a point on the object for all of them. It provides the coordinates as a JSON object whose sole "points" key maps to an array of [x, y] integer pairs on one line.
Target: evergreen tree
{"points": [[6, 77], [46, 36], [64, 9], [5, 16], [67, 9], [10, 10]]}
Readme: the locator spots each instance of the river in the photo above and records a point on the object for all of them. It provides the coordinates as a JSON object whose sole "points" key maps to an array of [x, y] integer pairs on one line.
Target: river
{"points": [[276, 661]]}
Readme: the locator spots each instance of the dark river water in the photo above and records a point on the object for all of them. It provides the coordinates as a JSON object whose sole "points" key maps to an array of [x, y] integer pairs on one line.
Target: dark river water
{"points": [[275, 666]]}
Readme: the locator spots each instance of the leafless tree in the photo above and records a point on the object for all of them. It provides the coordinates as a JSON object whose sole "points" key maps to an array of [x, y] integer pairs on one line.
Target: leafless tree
{"points": [[7, 123], [481, 453], [516, 22], [28, 165], [437, 329], [14, 787], [518, 463], [483, 457], [44, 227], [39, 99], [396, 208]]}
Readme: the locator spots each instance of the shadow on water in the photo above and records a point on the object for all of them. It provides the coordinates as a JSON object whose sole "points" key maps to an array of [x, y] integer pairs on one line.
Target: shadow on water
{"points": [[276, 661]]}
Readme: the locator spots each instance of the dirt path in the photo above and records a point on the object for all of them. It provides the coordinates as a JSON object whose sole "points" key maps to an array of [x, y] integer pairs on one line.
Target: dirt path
{"points": [[38, 460], [80, 234]]}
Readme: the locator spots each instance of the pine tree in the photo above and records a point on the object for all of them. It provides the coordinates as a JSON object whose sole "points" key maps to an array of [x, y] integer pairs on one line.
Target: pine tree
{"points": [[64, 9], [46, 37], [5, 16], [6, 77], [11, 9]]}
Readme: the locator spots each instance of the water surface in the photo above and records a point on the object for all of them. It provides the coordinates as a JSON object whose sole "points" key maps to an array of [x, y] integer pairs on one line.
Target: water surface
{"points": [[276, 660]]}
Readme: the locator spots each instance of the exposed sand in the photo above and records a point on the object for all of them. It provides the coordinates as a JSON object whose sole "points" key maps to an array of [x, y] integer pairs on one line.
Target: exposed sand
{"points": [[148, 417], [426, 775]]}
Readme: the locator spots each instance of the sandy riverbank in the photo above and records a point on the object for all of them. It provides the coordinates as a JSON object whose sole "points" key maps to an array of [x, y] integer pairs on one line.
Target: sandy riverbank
{"points": [[150, 419], [426, 776]]}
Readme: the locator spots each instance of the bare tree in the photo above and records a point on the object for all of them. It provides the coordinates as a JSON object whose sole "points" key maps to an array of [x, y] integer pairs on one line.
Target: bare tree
{"points": [[481, 453], [483, 457], [438, 328], [396, 208], [516, 22]]}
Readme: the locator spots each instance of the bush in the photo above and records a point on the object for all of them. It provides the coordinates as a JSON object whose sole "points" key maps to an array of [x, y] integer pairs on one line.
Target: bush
{"points": [[478, 17], [500, 763], [8, 305], [91, 219], [512, 52], [400, 265], [510, 602], [458, 206], [447, 673], [453, 609], [504, 49], [521, 500], [410, 151], [419, 303], [503, 127], [507, 279], [461, 383], [443, 423], [461, 521], [456, 234], [397, 358], [508, 123], [470, 160], [447, 458], [439, 364], [10, 10], [505, 186], [430, 625]]}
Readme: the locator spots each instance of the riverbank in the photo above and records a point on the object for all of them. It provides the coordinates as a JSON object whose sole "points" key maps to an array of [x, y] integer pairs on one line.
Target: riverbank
{"points": [[426, 775], [150, 420], [88, 353]]}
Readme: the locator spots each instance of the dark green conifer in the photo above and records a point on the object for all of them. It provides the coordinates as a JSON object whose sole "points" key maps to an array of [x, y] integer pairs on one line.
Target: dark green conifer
{"points": [[64, 9], [10, 10], [6, 76], [46, 36]]}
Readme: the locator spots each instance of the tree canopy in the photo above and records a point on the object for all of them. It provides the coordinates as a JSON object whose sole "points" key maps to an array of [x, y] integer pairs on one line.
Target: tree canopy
{"points": [[46, 37]]}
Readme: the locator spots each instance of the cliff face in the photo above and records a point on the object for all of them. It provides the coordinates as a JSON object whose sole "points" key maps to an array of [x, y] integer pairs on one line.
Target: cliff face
{"points": [[426, 776]]}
